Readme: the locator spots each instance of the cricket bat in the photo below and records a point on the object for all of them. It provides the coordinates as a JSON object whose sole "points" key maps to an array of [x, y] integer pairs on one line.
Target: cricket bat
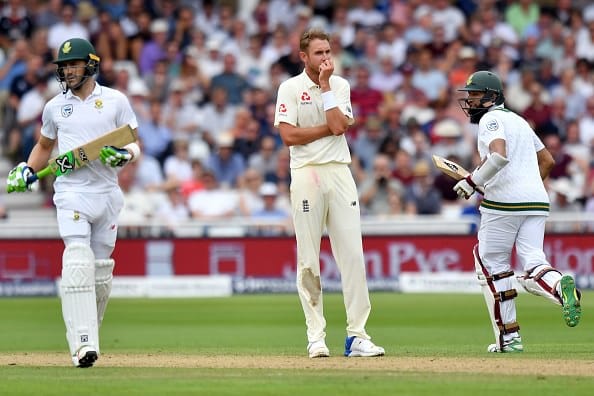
{"points": [[82, 155], [453, 170]]}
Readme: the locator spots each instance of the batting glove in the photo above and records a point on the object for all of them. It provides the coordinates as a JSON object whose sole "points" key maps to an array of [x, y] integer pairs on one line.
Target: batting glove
{"points": [[114, 157], [465, 187], [18, 178]]}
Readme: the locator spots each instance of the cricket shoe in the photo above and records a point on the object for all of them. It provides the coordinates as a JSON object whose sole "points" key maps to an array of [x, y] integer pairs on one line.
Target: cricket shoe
{"points": [[85, 357], [511, 346], [360, 347], [318, 349], [572, 310]]}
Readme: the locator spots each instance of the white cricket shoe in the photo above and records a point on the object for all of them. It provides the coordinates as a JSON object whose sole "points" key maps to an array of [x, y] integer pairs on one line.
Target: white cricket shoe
{"points": [[85, 357], [511, 346], [360, 347], [318, 349]]}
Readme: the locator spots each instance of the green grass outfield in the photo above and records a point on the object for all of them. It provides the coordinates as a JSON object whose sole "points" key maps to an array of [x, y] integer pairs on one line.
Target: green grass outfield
{"points": [[255, 345]]}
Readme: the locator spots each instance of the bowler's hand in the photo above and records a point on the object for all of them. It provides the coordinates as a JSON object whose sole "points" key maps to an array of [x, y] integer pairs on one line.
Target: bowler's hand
{"points": [[326, 70], [465, 187]]}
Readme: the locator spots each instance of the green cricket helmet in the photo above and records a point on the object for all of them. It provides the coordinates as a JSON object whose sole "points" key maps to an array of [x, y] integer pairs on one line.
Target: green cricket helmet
{"points": [[77, 49], [490, 85]]}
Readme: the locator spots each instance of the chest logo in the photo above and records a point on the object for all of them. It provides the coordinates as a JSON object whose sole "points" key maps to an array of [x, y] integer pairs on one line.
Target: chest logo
{"points": [[67, 110], [305, 98], [98, 104], [492, 125]]}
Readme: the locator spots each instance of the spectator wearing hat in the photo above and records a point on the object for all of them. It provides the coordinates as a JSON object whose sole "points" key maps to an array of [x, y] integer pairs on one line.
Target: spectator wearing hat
{"points": [[564, 200], [226, 164], [464, 65], [421, 196], [449, 141], [155, 49], [272, 210]]}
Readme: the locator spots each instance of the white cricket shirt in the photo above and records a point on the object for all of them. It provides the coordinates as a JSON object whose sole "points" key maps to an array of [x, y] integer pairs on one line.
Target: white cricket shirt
{"points": [[75, 122], [299, 103], [517, 188]]}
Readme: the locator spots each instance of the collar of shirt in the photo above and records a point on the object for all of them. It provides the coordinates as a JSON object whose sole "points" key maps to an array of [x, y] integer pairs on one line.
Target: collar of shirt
{"points": [[96, 92], [308, 80]]}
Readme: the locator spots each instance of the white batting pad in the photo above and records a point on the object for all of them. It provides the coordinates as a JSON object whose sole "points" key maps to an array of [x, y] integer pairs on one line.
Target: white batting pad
{"points": [[77, 291], [103, 280]]}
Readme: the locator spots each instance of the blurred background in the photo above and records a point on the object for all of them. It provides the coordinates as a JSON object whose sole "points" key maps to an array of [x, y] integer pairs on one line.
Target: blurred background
{"points": [[210, 195]]}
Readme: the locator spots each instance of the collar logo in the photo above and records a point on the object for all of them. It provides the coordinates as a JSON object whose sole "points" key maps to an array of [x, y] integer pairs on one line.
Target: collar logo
{"points": [[98, 104], [67, 110], [67, 47]]}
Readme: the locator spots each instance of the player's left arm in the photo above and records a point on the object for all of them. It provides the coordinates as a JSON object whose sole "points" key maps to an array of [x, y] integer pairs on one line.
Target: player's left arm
{"points": [[120, 156]]}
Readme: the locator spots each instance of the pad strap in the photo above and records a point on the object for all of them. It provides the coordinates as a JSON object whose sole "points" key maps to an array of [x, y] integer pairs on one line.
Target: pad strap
{"points": [[509, 327], [505, 295]]}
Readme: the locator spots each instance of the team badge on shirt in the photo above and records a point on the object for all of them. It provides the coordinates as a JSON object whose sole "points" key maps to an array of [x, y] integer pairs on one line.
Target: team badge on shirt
{"points": [[67, 110], [98, 104], [492, 125]]}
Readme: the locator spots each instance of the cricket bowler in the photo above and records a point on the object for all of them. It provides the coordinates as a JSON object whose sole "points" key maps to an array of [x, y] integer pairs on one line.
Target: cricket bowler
{"points": [[513, 212], [88, 200], [313, 111]]}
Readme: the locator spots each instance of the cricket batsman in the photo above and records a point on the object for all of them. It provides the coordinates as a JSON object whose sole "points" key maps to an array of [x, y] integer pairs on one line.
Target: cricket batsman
{"points": [[513, 212], [88, 201]]}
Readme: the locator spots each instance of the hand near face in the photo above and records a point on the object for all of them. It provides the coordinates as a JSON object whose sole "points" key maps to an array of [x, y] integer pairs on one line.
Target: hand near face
{"points": [[326, 70]]}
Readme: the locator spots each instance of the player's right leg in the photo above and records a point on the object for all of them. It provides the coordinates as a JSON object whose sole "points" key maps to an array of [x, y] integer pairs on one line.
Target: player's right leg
{"points": [[77, 285], [77, 292], [309, 210], [492, 259], [499, 296]]}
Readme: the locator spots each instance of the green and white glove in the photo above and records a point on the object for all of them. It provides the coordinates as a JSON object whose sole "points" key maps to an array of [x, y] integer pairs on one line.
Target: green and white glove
{"points": [[18, 178], [114, 157]]}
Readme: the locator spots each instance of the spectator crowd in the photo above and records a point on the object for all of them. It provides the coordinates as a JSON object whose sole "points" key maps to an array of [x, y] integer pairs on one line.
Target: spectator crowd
{"points": [[202, 77]]}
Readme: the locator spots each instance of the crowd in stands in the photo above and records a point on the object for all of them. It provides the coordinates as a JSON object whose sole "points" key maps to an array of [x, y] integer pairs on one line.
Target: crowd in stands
{"points": [[202, 77]]}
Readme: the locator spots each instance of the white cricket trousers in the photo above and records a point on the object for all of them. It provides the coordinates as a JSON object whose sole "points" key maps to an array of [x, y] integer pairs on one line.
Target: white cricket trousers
{"points": [[325, 197], [497, 235]]}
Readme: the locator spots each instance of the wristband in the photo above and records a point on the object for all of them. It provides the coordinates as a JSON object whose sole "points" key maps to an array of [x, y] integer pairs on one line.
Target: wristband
{"points": [[134, 149], [329, 100]]}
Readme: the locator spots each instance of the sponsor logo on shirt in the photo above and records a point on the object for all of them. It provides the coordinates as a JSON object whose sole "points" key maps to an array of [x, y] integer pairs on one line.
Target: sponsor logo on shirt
{"points": [[282, 108], [305, 98]]}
